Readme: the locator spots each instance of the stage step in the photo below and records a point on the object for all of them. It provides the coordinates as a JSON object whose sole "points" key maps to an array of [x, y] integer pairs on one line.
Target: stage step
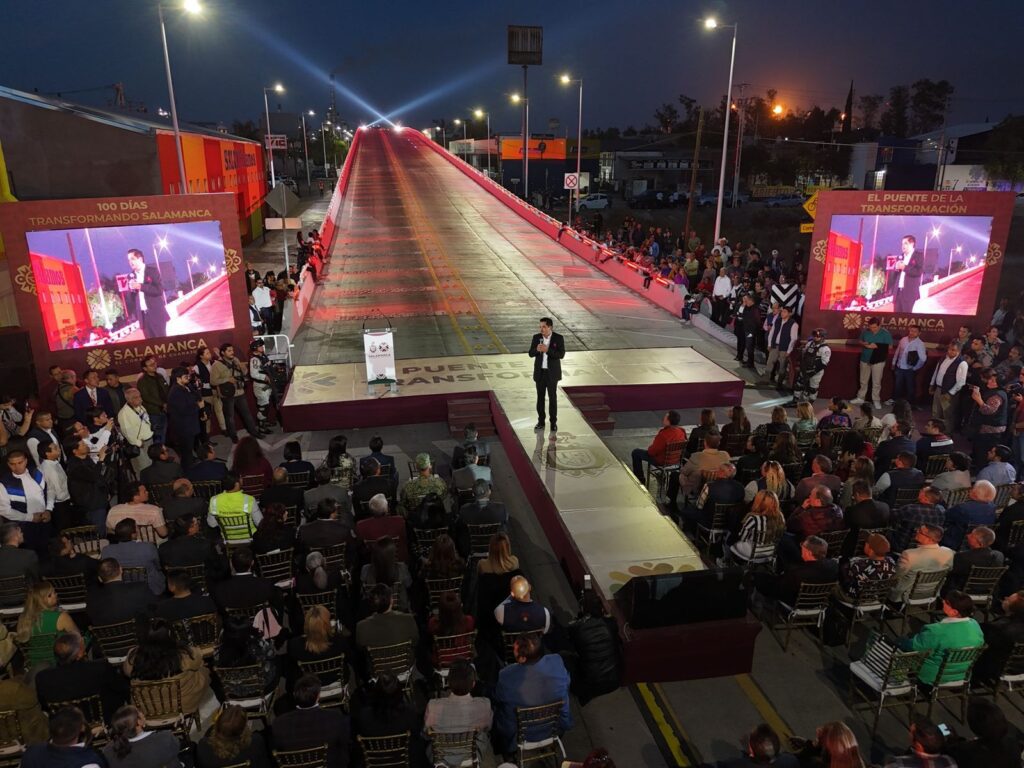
{"points": [[583, 399], [475, 411]]}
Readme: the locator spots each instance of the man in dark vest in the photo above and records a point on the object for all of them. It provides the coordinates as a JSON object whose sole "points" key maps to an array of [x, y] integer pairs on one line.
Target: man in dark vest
{"points": [[991, 417], [26, 500], [782, 337], [519, 613], [903, 474], [547, 350], [948, 379]]}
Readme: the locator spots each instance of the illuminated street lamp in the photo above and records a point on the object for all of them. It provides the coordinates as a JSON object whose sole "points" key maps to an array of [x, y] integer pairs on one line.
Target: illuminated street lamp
{"points": [[958, 250], [711, 23], [193, 8], [777, 110], [457, 121], [525, 101], [305, 150], [567, 80], [479, 114], [276, 88]]}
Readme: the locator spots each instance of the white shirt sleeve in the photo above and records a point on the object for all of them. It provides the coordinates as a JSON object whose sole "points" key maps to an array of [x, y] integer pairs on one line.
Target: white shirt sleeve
{"points": [[961, 378], [6, 510]]}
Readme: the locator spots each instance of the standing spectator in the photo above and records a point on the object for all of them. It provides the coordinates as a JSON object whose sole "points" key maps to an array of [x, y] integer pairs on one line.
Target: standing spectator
{"points": [[264, 301], [909, 358], [87, 484], [182, 416], [948, 379], [202, 369], [992, 415], [91, 396], [875, 341], [783, 335], [720, 296], [136, 429], [42, 431], [814, 359], [227, 378], [747, 331], [26, 500], [153, 388], [115, 388]]}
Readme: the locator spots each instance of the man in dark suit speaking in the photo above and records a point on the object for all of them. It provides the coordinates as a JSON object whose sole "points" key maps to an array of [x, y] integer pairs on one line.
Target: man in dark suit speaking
{"points": [[147, 290], [547, 350], [908, 269]]}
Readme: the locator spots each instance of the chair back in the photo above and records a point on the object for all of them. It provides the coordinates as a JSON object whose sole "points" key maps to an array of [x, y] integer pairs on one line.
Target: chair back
{"points": [[1004, 495], [905, 496], [330, 670], [1016, 535], [454, 748], [805, 439], [115, 640], [437, 587], [736, 443], [246, 612], [813, 597], [202, 632], [1013, 667], [895, 669], [537, 731], [314, 757], [278, 567], [11, 740], [723, 514], [450, 648], [298, 479], [328, 599], [241, 682], [71, 591], [926, 586], [480, 538], [982, 581], [196, 573], [92, 709], [863, 533], [935, 465], [873, 593], [872, 435], [133, 574], [206, 489], [957, 496], [398, 659], [335, 558], [147, 533], [793, 471], [235, 529], [253, 485], [763, 547], [956, 666], [835, 541], [831, 439], [159, 700], [159, 493], [12, 592], [424, 538], [84, 540], [385, 751], [674, 455]]}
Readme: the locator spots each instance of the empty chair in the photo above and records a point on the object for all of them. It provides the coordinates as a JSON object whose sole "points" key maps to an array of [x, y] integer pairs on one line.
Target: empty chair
{"points": [[385, 751], [808, 610], [888, 674], [537, 733]]}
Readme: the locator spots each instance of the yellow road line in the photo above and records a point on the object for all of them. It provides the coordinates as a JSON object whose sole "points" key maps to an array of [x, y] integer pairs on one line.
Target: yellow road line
{"points": [[672, 740], [426, 228], [771, 715]]}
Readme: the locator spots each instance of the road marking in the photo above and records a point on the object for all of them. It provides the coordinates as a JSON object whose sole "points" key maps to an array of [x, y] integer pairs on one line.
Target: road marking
{"points": [[673, 742], [757, 697]]}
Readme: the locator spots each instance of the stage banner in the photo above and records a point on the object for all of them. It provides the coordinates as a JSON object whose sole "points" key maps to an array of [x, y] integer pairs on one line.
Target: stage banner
{"points": [[930, 259], [105, 282], [379, 351]]}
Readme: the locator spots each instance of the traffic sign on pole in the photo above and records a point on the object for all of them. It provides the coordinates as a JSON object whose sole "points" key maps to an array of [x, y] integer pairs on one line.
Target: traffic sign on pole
{"points": [[571, 181], [811, 204], [807, 228]]}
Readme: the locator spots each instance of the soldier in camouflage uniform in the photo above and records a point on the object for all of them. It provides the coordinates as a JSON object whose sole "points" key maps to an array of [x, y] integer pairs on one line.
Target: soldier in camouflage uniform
{"points": [[417, 489]]}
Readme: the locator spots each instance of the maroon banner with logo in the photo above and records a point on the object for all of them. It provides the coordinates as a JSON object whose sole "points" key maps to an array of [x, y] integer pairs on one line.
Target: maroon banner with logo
{"points": [[907, 257], [105, 282]]}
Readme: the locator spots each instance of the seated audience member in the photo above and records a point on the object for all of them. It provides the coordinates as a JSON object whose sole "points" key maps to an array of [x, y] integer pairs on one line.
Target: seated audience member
{"points": [[230, 742], [691, 475], [68, 746], [132, 746], [899, 442], [764, 748], [956, 473], [387, 712], [450, 619], [371, 482], [764, 522], [1001, 635], [64, 561], [834, 744], [778, 424], [163, 469], [933, 442], [231, 502], [595, 638], [865, 512], [424, 484], [40, 621], [117, 601], [443, 561], [750, 462], [387, 463], [385, 568], [325, 489], [242, 645], [979, 509], [309, 725], [483, 511], [319, 641], [657, 452], [519, 613], [471, 436], [873, 566], [294, 464], [821, 474], [273, 534], [817, 515], [385, 626], [865, 417], [183, 603], [209, 468], [464, 478], [928, 555], [927, 748], [15, 560], [999, 470], [773, 478], [130, 552], [249, 461], [183, 501], [460, 712], [280, 492], [805, 420], [814, 567], [997, 744], [189, 547], [315, 578], [161, 656], [76, 677], [956, 630], [903, 474], [138, 509], [838, 416], [340, 462], [906, 520], [245, 589], [383, 524], [979, 553], [707, 426], [722, 489], [329, 528], [536, 678]]}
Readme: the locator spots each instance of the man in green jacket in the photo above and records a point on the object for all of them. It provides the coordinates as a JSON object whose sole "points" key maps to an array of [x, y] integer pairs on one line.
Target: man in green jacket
{"points": [[153, 388], [957, 630]]}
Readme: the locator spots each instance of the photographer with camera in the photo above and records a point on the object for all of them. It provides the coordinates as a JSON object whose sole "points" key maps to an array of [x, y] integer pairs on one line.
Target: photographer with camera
{"points": [[988, 426]]}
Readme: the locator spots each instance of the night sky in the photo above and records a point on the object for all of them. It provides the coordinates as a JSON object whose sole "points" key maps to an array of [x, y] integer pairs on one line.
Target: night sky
{"points": [[448, 58]]}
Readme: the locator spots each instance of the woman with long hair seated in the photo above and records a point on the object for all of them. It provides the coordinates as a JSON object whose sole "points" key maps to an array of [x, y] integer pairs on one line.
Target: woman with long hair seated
{"points": [[385, 568], [493, 576], [341, 464], [320, 640], [249, 460], [805, 421], [132, 746], [40, 622], [242, 645], [784, 449], [295, 464], [450, 619], [738, 424], [230, 742], [443, 562], [773, 478], [834, 745], [764, 521], [273, 533], [160, 656], [861, 468]]}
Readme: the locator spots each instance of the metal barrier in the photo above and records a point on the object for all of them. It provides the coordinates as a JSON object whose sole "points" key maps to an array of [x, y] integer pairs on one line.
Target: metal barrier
{"points": [[278, 348]]}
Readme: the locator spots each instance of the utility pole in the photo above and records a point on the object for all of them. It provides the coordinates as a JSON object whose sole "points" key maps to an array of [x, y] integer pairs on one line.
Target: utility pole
{"points": [[741, 117], [694, 165]]}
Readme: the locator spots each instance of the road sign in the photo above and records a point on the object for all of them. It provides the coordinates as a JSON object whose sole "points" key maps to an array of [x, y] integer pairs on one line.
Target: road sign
{"points": [[277, 223], [811, 205], [807, 228], [281, 199], [274, 141], [571, 181]]}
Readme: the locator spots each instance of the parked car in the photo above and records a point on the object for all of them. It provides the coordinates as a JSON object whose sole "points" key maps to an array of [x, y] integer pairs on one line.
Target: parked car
{"points": [[707, 200], [290, 183], [784, 201], [678, 198], [595, 202], [650, 198]]}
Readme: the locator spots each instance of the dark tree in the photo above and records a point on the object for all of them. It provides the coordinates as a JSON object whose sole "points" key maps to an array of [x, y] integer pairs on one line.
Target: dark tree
{"points": [[667, 117], [928, 102], [1004, 160], [245, 130], [869, 105], [894, 118]]}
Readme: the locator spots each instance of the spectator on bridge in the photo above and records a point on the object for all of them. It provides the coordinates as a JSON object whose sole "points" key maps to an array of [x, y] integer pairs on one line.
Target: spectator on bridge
{"points": [[656, 453]]}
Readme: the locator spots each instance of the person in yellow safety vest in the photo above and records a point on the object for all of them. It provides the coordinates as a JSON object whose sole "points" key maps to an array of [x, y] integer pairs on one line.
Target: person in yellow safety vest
{"points": [[231, 502]]}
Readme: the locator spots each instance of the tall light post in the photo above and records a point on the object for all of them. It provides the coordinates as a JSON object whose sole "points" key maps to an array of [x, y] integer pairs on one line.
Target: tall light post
{"points": [[276, 88], [459, 121], [479, 114], [323, 140], [305, 150], [525, 101], [193, 8], [712, 23], [958, 250], [566, 80]]}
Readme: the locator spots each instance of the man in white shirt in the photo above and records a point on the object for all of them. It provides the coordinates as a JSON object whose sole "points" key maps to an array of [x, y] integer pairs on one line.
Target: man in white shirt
{"points": [[910, 357], [133, 420], [264, 303], [949, 378], [57, 483], [720, 294], [26, 500]]}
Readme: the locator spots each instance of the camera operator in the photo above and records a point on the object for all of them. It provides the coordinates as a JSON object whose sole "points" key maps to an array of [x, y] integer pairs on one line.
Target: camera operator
{"points": [[1016, 425], [87, 483], [991, 417]]}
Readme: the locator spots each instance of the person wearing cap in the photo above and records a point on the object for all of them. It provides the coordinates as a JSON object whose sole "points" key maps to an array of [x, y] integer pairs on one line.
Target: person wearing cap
{"points": [[262, 384], [421, 486], [859, 572], [875, 341], [182, 416], [814, 359], [519, 613]]}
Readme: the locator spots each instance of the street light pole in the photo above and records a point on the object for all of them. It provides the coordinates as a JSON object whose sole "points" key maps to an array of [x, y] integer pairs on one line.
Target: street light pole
{"points": [[170, 93], [712, 24], [305, 151], [276, 88], [323, 140], [566, 80]]}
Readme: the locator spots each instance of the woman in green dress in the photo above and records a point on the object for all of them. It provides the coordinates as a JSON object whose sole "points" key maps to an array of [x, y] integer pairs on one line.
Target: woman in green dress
{"points": [[40, 622]]}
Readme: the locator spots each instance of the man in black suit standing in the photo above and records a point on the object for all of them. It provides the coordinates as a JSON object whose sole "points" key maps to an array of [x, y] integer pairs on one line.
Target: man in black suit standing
{"points": [[908, 269], [309, 726], [147, 290], [547, 350]]}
